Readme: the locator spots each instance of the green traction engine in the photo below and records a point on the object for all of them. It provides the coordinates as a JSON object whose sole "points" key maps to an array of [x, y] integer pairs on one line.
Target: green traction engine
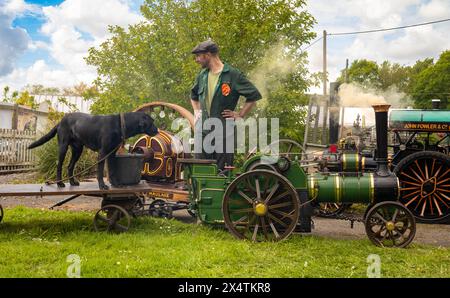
{"points": [[270, 203]]}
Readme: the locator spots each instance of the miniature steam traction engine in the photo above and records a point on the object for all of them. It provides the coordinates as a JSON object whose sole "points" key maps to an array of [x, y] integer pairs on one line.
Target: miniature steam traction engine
{"points": [[264, 204]]}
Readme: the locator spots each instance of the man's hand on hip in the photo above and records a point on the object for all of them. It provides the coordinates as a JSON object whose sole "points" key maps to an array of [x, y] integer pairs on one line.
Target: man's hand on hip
{"points": [[231, 114]]}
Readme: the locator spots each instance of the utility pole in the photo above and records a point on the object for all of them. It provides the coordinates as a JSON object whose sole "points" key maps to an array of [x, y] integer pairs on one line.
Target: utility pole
{"points": [[324, 62], [341, 131], [325, 110], [346, 71]]}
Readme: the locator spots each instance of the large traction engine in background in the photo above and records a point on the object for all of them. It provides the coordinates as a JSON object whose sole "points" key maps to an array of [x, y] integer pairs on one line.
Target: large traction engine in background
{"points": [[421, 161], [421, 158]]}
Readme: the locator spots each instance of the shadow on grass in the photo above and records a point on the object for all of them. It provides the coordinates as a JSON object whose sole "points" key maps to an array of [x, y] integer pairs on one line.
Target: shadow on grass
{"points": [[22, 220], [50, 225], [35, 222]]}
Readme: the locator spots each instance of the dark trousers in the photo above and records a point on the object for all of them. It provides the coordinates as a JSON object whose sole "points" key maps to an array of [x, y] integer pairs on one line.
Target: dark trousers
{"points": [[222, 157]]}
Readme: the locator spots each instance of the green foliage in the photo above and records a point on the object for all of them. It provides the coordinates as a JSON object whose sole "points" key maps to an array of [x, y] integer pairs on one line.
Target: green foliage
{"points": [[422, 82], [364, 72], [36, 243], [369, 74], [292, 123], [433, 82], [41, 89], [72, 107], [152, 60], [415, 71], [7, 97], [282, 78], [393, 74], [26, 99]]}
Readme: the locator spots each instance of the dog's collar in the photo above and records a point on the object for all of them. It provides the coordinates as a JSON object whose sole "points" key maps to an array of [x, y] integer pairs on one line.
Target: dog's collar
{"points": [[122, 127]]}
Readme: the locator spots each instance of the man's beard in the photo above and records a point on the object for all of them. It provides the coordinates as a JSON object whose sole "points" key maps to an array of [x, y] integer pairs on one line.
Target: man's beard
{"points": [[205, 64]]}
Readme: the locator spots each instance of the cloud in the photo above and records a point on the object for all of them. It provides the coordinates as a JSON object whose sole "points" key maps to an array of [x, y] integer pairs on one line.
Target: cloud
{"points": [[77, 25], [20, 7], [359, 14], [414, 44], [35, 45], [435, 9], [14, 41], [402, 46], [90, 16], [72, 28], [42, 73]]}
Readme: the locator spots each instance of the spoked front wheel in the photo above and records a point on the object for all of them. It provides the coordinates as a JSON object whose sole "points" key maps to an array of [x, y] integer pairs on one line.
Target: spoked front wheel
{"points": [[390, 224], [425, 185], [112, 218], [261, 205]]}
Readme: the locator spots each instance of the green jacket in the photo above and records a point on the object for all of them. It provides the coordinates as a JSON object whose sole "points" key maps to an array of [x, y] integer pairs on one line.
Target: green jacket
{"points": [[231, 85]]}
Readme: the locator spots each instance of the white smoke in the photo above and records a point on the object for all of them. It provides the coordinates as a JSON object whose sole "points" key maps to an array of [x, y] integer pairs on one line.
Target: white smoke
{"points": [[353, 95], [270, 70]]}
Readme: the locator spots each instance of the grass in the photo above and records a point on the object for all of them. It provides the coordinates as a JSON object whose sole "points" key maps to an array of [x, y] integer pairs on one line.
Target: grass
{"points": [[36, 243]]}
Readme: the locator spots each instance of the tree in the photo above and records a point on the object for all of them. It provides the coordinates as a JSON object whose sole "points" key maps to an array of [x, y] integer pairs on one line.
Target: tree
{"points": [[421, 82], [390, 74], [152, 60], [433, 81], [26, 99], [41, 89], [7, 97], [364, 72], [82, 90], [382, 76], [416, 69]]}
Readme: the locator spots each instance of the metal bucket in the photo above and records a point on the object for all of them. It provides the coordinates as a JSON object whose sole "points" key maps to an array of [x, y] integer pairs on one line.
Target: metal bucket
{"points": [[125, 169]]}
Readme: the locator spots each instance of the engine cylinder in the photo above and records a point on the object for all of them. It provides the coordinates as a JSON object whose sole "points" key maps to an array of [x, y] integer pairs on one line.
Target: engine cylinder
{"points": [[361, 188]]}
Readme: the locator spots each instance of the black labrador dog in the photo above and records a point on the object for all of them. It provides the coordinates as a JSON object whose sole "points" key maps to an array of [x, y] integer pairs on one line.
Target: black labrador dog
{"points": [[101, 133]]}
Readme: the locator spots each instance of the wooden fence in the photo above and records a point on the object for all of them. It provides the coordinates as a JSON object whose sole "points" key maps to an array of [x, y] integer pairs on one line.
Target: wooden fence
{"points": [[14, 155]]}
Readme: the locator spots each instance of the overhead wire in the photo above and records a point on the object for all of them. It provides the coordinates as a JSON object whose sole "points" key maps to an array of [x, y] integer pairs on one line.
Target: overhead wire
{"points": [[374, 30], [388, 29], [312, 43], [378, 30]]}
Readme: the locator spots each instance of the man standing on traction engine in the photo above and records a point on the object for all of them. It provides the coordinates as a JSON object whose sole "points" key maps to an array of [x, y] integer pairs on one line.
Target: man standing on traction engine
{"points": [[215, 94]]}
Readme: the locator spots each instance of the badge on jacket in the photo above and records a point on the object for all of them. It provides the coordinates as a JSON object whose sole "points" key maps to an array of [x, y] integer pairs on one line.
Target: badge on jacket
{"points": [[226, 89]]}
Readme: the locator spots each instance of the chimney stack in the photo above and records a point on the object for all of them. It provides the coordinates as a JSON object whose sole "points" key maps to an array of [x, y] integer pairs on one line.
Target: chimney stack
{"points": [[381, 123], [334, 113]]}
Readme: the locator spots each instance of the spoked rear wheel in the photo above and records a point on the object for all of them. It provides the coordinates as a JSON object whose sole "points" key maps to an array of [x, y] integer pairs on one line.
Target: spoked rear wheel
{"points": [[425, 185], [331, 209], [390, 224], [112, 218], [261, 205]]}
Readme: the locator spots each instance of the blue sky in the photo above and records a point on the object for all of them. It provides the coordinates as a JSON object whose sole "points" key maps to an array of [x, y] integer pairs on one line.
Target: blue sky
{"points": [[44, 41]]}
